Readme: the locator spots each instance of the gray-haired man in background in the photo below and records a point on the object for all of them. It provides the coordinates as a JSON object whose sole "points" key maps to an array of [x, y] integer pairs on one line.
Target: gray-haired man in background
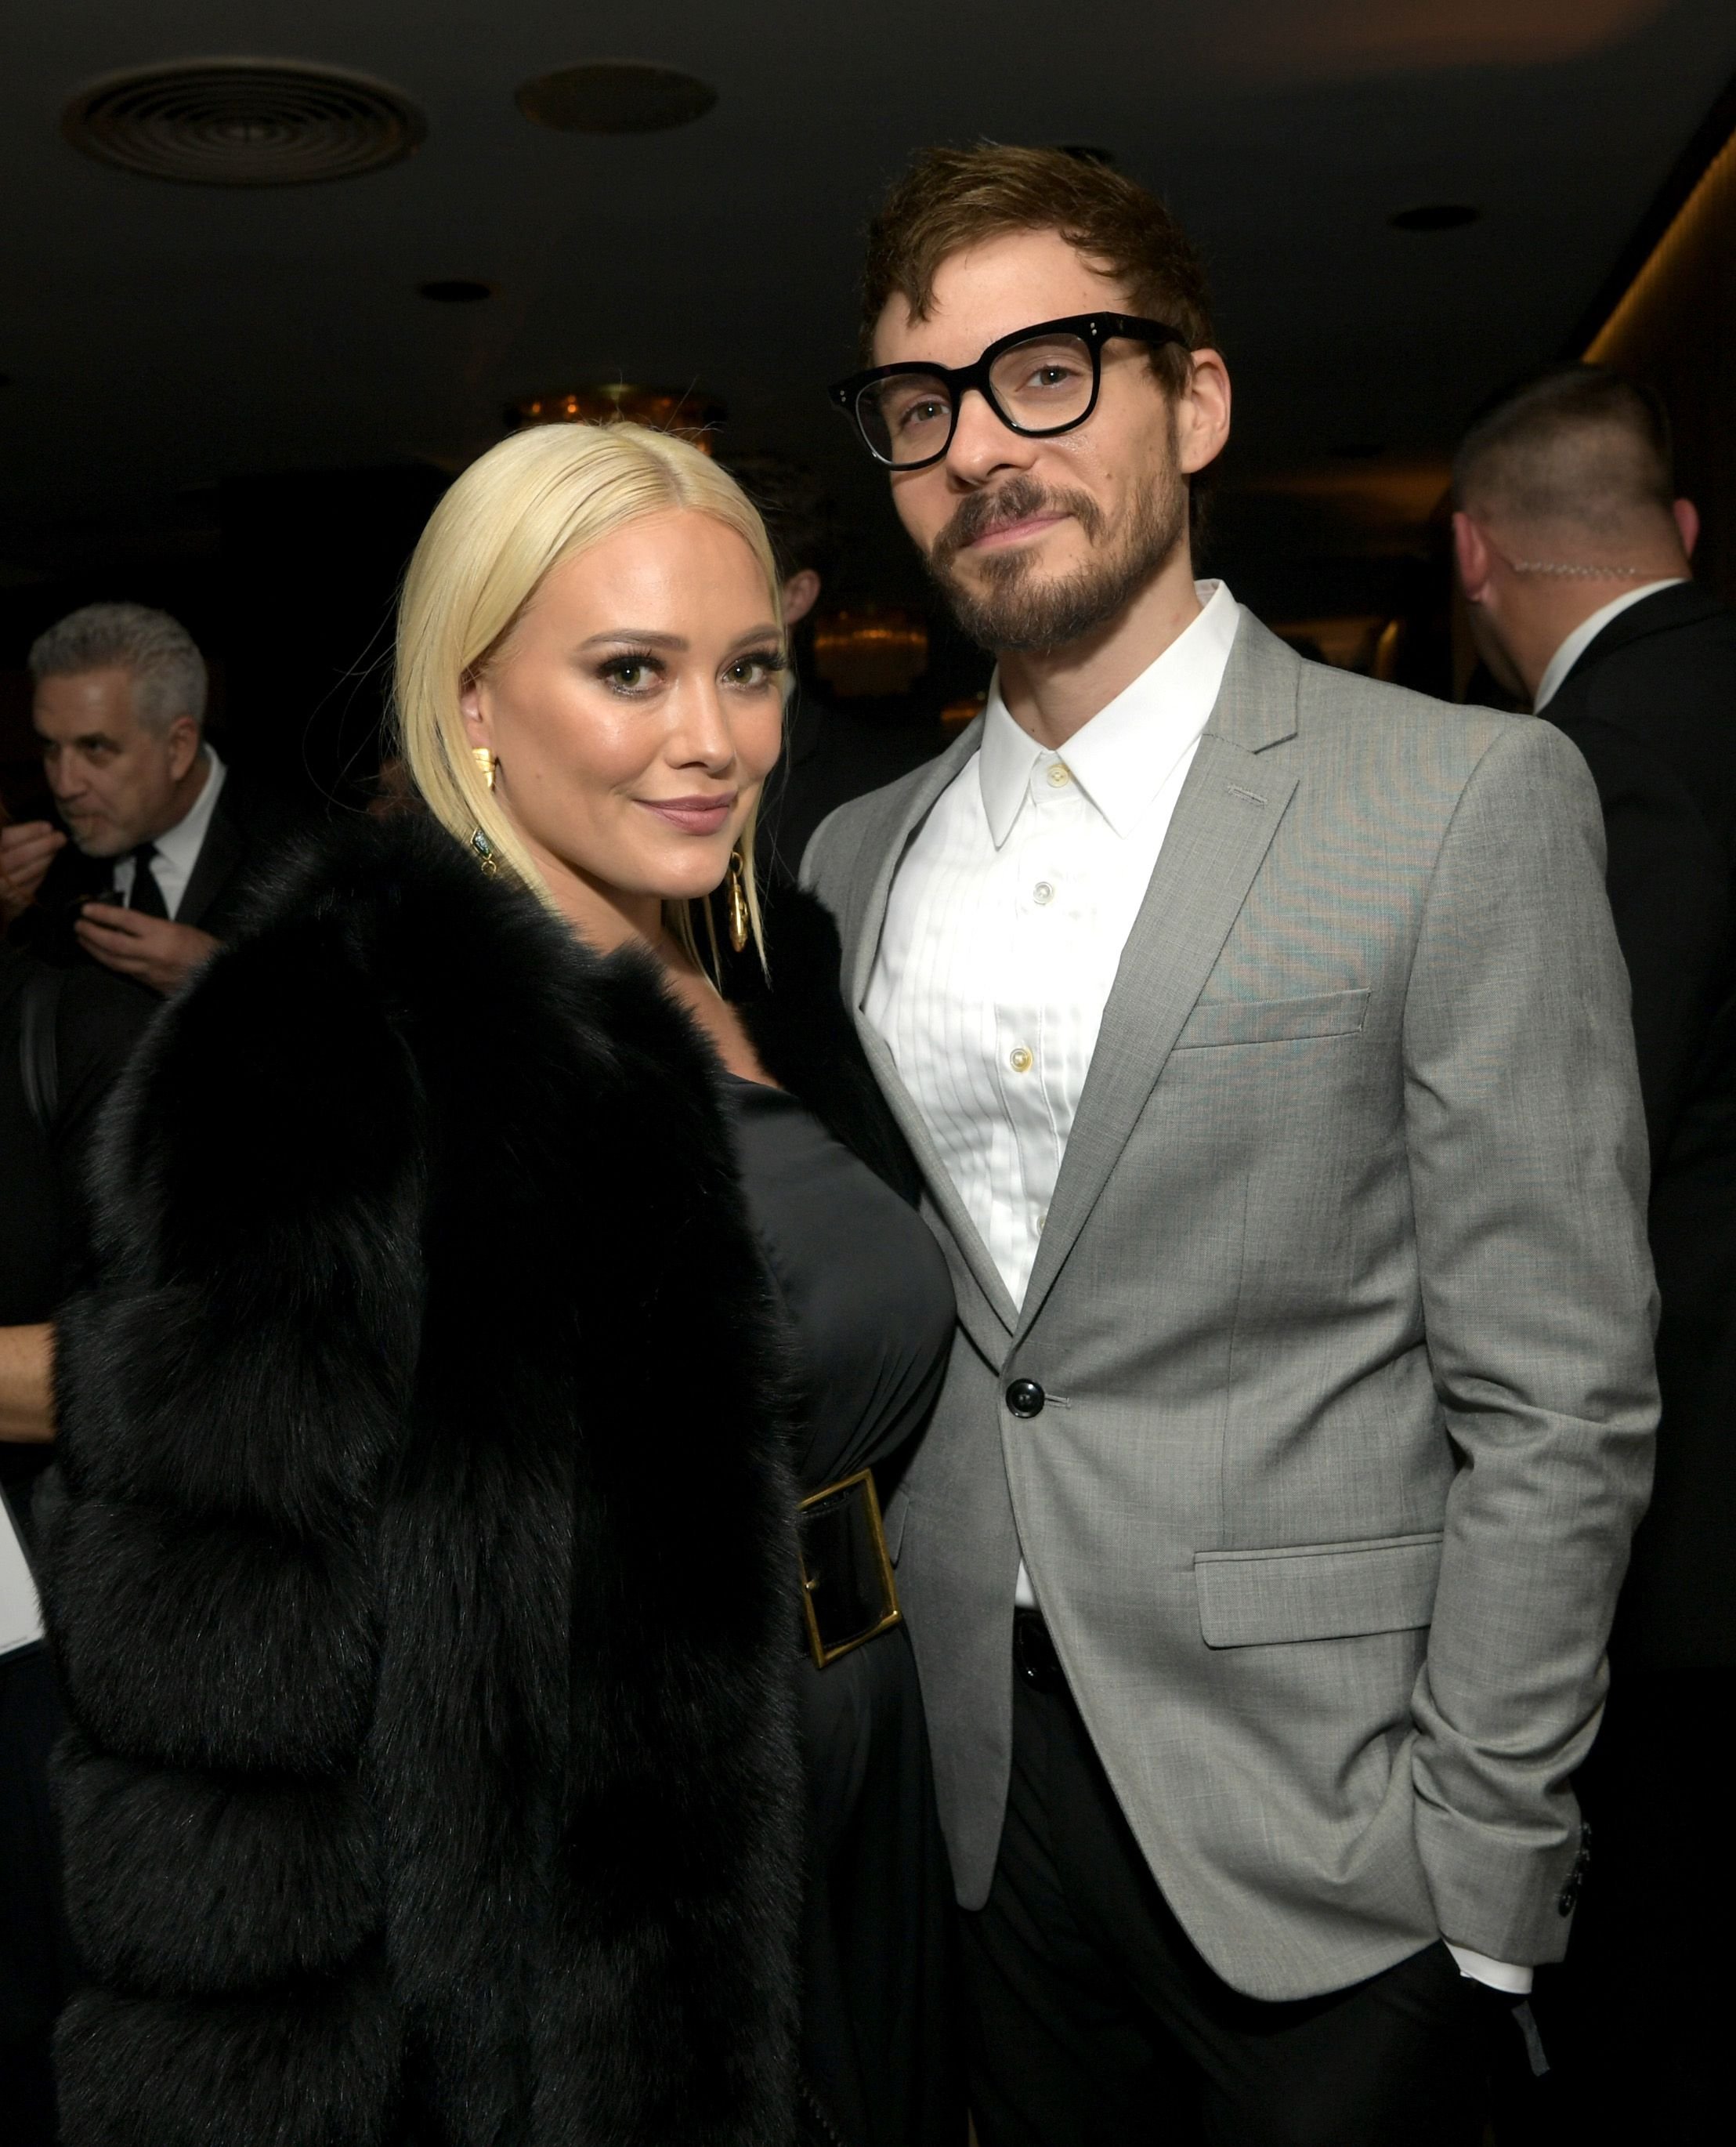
{"points": [[161, 839]]}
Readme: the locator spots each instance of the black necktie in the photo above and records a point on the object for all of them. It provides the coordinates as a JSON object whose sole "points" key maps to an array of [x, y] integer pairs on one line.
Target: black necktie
{"points": [[147, 897]]}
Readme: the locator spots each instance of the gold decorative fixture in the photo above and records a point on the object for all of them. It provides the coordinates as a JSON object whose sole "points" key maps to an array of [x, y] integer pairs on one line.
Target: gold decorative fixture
{"points": [[869, 650], [682, 410], [615, 96], [243, 123]]}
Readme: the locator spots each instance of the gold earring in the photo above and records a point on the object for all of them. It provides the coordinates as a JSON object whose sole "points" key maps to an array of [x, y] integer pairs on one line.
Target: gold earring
{"points": [[484, 760], [736, 901]]}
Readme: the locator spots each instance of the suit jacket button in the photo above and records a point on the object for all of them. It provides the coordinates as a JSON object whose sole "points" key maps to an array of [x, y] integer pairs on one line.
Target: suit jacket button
{"points": [[1025, 1397]]}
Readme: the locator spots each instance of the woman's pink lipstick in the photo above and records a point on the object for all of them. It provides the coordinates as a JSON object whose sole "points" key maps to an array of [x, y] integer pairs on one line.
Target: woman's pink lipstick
{"points": [[693, 816]]}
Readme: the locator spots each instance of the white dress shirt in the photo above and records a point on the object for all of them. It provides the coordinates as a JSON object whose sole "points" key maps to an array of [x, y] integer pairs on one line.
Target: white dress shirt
{"points": [[1005, 928], [177, 848], [1587, 631], [1006, 924]]}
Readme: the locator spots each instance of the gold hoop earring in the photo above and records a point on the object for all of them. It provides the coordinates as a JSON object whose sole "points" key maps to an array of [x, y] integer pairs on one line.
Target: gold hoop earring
{"points": [[484, 760], [736, 901]]}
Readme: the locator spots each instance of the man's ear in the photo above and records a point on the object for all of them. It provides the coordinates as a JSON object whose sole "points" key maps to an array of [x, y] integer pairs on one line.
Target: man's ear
{"points": [[1471, 556], [801, 594], [1201, 412], [1687, 518], [184, 739]]}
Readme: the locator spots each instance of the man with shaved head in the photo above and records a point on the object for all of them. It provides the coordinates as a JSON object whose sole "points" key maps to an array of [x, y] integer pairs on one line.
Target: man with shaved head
{"points": [[1572, 553]]}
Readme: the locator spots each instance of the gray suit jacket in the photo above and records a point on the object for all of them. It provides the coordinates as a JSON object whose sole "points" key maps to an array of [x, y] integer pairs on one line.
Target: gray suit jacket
{"points": [[1343, 1311]]}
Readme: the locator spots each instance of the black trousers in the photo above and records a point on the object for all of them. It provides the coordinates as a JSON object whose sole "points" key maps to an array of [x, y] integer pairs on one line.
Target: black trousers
{"points": [[1095, 2022], [1637, 2017], [35, 1954]]}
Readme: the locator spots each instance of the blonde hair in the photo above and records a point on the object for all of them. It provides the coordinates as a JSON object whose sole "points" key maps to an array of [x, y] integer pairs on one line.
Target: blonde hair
{"points": [[513, 516]]}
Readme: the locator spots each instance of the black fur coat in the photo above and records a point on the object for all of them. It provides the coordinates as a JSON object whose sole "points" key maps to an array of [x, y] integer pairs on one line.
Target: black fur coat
{"points": [[420, 1563]]}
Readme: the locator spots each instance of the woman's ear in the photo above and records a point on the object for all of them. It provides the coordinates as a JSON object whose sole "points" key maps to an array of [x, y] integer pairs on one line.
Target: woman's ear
{"points": [[801, 594], [473, 704]]}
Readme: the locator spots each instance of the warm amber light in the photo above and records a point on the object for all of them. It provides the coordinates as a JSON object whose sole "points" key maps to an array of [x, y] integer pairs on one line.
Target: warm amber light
{"points": [[872, 650], [1684, 227], [681, 410]]}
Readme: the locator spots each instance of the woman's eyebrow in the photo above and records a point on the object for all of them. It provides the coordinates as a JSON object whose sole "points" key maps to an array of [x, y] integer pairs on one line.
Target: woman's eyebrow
{"points": [[641, 637]]}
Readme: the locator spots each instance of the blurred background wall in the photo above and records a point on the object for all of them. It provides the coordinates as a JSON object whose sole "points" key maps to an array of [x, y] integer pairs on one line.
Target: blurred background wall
{"points": [[246, 344]]}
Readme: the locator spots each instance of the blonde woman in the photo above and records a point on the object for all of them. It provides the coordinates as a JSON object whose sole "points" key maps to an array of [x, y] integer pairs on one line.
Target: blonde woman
{"points": [[498, 1244]]}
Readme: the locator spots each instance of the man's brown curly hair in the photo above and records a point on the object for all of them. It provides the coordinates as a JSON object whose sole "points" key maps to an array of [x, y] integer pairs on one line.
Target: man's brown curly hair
{"points": [[952, 198]]}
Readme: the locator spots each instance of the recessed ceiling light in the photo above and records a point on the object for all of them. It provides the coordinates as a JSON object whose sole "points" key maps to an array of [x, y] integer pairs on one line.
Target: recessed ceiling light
{"points": [[615, 96], [1435, 216], [222, 123], [456, 291]]}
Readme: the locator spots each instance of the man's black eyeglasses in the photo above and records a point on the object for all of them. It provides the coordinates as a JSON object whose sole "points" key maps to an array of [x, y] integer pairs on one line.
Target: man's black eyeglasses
{"points": [[1038, 381]]}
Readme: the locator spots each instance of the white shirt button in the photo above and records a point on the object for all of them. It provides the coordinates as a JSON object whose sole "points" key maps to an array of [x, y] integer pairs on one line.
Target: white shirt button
{"points": [[1043, 892], [1059, 775], [1020, 1059]]}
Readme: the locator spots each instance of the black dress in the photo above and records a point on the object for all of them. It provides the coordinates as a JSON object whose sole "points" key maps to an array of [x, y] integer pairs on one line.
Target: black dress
{"points": [[870, 1310]]}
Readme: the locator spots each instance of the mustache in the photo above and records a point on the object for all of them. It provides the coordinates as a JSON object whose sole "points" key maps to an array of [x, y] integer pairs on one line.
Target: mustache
{"points": [[1015, 501]]}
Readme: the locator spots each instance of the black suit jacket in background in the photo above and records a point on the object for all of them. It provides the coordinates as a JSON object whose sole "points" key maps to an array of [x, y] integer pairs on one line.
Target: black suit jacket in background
{"points": [[831, 755], [98, 1018], [249, 829], [1652, 705]]}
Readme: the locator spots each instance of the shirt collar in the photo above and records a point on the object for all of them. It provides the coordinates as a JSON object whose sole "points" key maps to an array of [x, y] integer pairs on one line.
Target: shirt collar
{"points": [[181, 844], [1587, 631], [1121, 758]]}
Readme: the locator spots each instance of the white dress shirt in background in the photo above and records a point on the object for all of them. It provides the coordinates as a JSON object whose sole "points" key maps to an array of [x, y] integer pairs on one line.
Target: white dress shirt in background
{"points": [[177, 849], [1587, 631]]}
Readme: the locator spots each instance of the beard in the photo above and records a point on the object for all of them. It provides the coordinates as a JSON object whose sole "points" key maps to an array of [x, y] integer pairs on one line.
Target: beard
{"points": [[1008, 609]]}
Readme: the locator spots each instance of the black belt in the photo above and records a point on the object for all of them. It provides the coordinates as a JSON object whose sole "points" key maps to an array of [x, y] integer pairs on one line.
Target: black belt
{"points": [[848, 1594], [1034, 1653]]}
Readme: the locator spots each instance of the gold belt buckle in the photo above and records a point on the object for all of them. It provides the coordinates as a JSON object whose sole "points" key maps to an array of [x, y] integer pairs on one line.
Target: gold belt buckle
{"points": [[848, 1594]]}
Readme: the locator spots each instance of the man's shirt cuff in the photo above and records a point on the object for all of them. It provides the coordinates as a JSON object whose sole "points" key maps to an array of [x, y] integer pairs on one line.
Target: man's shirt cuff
{"points": [[1498, 1974]]}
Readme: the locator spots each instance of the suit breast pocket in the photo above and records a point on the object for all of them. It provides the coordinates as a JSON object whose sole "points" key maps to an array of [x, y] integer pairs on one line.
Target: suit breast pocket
{"points": [[1317, 1591], [1214, 1023]]}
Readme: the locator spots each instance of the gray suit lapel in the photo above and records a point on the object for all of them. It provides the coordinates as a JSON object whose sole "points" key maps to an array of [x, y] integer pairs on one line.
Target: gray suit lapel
{"points": [[1224, 823], [862, 928]]}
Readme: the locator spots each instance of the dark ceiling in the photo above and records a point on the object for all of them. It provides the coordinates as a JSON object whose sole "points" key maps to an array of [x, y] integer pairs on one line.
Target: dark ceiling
{"points": [[161, 339]]}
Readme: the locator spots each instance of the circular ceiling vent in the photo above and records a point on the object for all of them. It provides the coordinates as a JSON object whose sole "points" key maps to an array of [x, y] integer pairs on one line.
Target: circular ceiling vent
{"points": [[233, 122]]}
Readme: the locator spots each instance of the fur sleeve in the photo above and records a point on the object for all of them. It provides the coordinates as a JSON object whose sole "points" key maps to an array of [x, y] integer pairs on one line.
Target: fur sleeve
{"points": [[230, 1391]]}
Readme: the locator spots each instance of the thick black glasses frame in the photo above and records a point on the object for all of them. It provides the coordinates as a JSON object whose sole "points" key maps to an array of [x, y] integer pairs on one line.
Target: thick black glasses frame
{"points": [[1094, 330]]}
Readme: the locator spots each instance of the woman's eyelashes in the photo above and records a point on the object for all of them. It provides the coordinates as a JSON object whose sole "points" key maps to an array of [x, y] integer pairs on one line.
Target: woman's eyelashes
{"points": [[636, 673], [632, 671], [758, 668]]}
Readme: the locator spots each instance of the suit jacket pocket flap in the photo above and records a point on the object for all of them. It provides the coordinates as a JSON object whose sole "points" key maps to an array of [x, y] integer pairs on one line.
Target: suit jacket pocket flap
{"points": [[1274, 1021], [1316, 1591]]}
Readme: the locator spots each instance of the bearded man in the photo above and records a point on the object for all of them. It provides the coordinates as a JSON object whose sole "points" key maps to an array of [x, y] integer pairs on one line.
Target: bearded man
{"points": [[1263, 1036]]}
